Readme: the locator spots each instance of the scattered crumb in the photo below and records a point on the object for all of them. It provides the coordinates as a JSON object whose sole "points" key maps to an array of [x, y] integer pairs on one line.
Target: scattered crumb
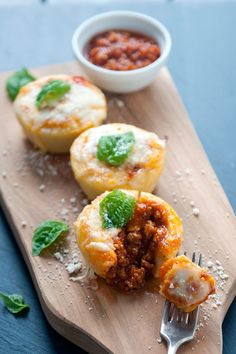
{"points": [[64, 214], [74, 268], [75, 210], [59, 256], [210, 264], [84, 202], [4, 174], [196, 212], [42, 187], [73, 201], [187, 171], [23, 223], [120, 103]]}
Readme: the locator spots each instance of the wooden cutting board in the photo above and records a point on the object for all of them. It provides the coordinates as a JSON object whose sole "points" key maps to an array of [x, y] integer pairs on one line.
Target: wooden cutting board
{"points": [[35, 187]]}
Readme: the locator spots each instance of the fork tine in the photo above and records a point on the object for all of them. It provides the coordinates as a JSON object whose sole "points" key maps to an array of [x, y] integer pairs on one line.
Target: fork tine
{"points": [[185, 253], [200, 260], [193, 317], [194, 257], [174, 316], [179, 315], [166, 311]]}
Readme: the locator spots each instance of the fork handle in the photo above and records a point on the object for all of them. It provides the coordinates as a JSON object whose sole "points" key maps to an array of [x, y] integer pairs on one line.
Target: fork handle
{"points": [[172, 348]]}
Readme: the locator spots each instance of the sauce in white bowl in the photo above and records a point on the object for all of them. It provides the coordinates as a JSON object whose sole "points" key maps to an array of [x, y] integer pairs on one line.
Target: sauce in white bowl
{"points": [[121, 81]]}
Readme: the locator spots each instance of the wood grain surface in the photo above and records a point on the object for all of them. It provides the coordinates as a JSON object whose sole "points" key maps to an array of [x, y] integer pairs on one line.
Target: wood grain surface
{"points": [[35, 187]]}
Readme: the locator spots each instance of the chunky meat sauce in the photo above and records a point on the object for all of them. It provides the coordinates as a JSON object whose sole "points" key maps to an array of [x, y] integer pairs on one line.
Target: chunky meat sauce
{"points": [[136, 246], [122, 50]]}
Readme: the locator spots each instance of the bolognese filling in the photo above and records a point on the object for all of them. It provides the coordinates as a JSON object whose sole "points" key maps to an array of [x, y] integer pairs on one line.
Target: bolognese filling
{"points": [[136, 247]]}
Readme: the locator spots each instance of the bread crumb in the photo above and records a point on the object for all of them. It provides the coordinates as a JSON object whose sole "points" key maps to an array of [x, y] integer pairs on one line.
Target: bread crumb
{"points": [[73, 268], [177, 173], [196, 212], [59, 256], [120, 103], [188, 171], [23, 223], [84, 202], [73, 201], [210, 264], [42, 187]]}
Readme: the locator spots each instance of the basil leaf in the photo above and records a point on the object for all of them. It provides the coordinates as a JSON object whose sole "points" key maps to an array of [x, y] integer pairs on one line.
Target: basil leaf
{"points": [[16, 81], [116, 209], [46, 234], [114, 149], [14, 303], [51, 92]]}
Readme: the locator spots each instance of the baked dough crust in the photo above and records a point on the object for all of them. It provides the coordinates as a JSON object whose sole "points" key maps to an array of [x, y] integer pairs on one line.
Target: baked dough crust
{"points": [[53, 129], [140, 171], [97, 244], [184, 283]]}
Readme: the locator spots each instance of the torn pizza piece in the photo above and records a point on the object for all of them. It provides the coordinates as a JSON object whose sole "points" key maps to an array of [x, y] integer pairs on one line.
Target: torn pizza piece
{"points": [[184, 283]]}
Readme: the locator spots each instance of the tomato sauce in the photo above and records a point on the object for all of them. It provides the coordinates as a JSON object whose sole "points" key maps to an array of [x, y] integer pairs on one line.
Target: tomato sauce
{"points": [[122, 50]]}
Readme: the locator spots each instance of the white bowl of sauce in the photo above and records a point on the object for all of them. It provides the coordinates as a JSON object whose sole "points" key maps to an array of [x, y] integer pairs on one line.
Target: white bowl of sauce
{"points": [[121, 51]]}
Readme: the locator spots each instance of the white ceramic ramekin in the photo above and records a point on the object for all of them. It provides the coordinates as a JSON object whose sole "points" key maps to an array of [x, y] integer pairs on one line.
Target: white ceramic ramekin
{"points": [[121, 81]]}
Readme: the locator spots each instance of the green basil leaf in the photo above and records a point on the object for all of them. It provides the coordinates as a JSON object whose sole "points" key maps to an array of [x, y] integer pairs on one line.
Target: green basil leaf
{"points": [[16, 81], [114, 149], [51, 92], [14, 303], [116, 209], [46, 234]]}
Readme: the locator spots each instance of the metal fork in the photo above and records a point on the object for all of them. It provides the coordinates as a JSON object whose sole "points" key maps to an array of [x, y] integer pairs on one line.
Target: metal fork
{"points": [[177, 326]]}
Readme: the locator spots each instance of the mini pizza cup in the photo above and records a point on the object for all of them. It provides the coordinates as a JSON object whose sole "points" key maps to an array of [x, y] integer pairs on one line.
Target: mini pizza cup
{"points": [[127, 256], [139, 171], [53, 128]]}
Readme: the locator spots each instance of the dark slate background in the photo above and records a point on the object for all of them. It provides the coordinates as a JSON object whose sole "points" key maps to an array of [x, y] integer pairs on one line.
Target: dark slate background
{"points": [[202, 64]]}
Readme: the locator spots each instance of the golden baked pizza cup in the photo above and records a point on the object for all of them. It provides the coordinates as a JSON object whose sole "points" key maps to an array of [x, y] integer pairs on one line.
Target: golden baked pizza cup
{"points": [[53, 125], [124, 235], [184, 283], [117, 156]]}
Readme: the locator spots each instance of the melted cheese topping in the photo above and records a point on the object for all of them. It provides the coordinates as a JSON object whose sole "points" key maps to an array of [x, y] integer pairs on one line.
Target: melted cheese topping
{"points": [[83, 103], [142, 150], [100, 239], [188, 285]]}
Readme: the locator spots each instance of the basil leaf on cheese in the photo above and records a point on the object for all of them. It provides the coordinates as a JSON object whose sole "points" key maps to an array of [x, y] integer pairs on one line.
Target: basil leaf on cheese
{"points": [[46, 234], [114, 149], [116, 209], [16, 81], [14, 303], [51, 92]]}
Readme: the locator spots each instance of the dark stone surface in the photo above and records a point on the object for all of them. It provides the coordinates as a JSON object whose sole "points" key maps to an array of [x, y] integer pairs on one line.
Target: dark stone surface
{"points": [[202, 64]]}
